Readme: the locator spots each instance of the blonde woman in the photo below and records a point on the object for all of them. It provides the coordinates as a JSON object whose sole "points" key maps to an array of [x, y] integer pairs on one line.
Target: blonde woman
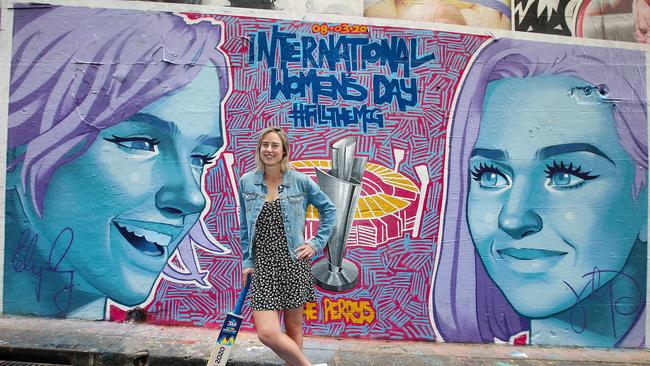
{"points": [[273, 204]]}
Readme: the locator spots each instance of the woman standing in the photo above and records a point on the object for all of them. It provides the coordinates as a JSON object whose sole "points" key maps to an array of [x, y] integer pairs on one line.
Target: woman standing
{"points": [[273, 204]]}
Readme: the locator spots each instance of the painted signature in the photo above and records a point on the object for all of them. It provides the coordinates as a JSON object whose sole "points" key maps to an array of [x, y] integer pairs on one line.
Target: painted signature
{"points": [[621, 305], [25, 259]]}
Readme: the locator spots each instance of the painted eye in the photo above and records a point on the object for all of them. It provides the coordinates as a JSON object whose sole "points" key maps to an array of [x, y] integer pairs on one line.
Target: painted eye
{"points": [[490, 177], [139, 145], [563, 176], [135, 144], [200, 161], [563, 179], [492, 180]]}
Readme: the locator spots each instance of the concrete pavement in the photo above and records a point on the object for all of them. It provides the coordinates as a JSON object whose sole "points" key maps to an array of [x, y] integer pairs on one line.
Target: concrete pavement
{"points": [[76, 342]]}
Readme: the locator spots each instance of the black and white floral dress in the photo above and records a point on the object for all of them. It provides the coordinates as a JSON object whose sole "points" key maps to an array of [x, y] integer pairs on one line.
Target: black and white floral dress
{"points": [[279, 282]]}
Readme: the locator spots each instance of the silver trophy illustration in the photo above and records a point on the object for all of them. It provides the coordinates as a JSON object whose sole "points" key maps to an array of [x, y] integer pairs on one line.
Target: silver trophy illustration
{"points": [[343, 186]]}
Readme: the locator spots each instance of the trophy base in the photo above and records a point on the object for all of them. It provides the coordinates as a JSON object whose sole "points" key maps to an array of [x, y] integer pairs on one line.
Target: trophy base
{"points": [[332, 278]]}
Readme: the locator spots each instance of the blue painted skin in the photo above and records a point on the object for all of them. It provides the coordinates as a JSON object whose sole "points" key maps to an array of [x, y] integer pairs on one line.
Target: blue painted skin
{"points": [[141, 176], [551, 202]]}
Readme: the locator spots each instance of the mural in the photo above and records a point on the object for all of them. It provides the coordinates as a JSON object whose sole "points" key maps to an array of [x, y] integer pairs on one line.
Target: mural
{"points": [[545, 228], [473, 173], [324, 82], [619, 20], [104, 167]]}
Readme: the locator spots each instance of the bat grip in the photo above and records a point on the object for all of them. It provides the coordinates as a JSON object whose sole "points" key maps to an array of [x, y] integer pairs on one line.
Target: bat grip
{"points": [[242, 296]]}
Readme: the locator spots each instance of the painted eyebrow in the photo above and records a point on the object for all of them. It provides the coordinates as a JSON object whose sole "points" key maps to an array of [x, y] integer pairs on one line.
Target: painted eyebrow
{"points": [[161, 124], [493, 154], [172, 128], [210, 140], [547, 152]]}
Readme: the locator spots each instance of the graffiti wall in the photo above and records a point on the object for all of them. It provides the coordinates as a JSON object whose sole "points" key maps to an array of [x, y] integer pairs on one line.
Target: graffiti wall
{"points": [[618, 20], [495, 188]]}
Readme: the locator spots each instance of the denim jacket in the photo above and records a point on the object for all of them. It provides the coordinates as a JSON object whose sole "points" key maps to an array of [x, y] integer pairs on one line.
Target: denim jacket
{"points": [[299, 191]]}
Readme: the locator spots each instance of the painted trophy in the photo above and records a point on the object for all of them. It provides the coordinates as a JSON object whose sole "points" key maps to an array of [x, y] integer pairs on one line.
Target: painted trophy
{"points": [[343, 186]]}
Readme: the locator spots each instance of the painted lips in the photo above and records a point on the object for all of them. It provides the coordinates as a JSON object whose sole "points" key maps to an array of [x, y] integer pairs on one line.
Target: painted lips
{"points": [[527, 254], [149, 242]]}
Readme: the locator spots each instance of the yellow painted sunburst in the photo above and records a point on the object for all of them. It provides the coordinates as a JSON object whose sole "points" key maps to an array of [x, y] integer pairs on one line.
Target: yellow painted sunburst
{"points": [[370, 206]]}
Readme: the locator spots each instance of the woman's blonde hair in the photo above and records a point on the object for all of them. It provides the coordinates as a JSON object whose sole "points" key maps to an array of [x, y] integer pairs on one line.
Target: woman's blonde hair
{"points": [[284, 163]]}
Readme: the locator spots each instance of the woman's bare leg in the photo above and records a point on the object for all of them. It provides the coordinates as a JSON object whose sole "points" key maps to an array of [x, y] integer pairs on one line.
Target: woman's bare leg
{"points": [[267, 324], [293, 324]]}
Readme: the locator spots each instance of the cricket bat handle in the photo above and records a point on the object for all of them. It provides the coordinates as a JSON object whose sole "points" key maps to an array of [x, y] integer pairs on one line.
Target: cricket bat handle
{"points": [[242, 296]]}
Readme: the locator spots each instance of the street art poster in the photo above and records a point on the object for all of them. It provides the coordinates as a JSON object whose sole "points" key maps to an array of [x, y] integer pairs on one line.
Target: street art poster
{"points": [[496, 187], [341, 7], [475, 13], [617, 20]]}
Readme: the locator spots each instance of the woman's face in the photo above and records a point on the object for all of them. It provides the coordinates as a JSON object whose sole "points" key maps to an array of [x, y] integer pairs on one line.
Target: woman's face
{"points": [[550, 206], [271, 151], [132, 196]]}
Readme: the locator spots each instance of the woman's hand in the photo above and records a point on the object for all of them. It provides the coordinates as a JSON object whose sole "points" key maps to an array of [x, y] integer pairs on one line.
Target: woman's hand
{"points": [[244, 275], [305, 251]]}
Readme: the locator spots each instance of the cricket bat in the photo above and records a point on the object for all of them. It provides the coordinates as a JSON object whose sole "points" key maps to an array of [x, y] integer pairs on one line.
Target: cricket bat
{"points": [[226, 339]]}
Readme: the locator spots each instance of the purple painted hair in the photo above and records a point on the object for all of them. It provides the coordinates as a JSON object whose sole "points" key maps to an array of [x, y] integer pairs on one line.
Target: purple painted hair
{"points": [[76, 71], [467, 305]]}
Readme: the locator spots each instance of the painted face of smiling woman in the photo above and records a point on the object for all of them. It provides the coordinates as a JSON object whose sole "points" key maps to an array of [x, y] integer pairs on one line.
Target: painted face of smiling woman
{"points": [[552, 193], [135, 193]]}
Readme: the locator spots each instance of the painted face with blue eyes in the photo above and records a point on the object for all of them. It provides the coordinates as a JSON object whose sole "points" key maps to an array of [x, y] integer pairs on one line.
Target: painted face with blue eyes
{"points": [[136, 192], [551, 195]]}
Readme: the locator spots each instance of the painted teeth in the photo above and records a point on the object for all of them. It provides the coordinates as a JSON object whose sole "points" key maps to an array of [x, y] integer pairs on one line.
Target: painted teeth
{"points": [[149, 235]]}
